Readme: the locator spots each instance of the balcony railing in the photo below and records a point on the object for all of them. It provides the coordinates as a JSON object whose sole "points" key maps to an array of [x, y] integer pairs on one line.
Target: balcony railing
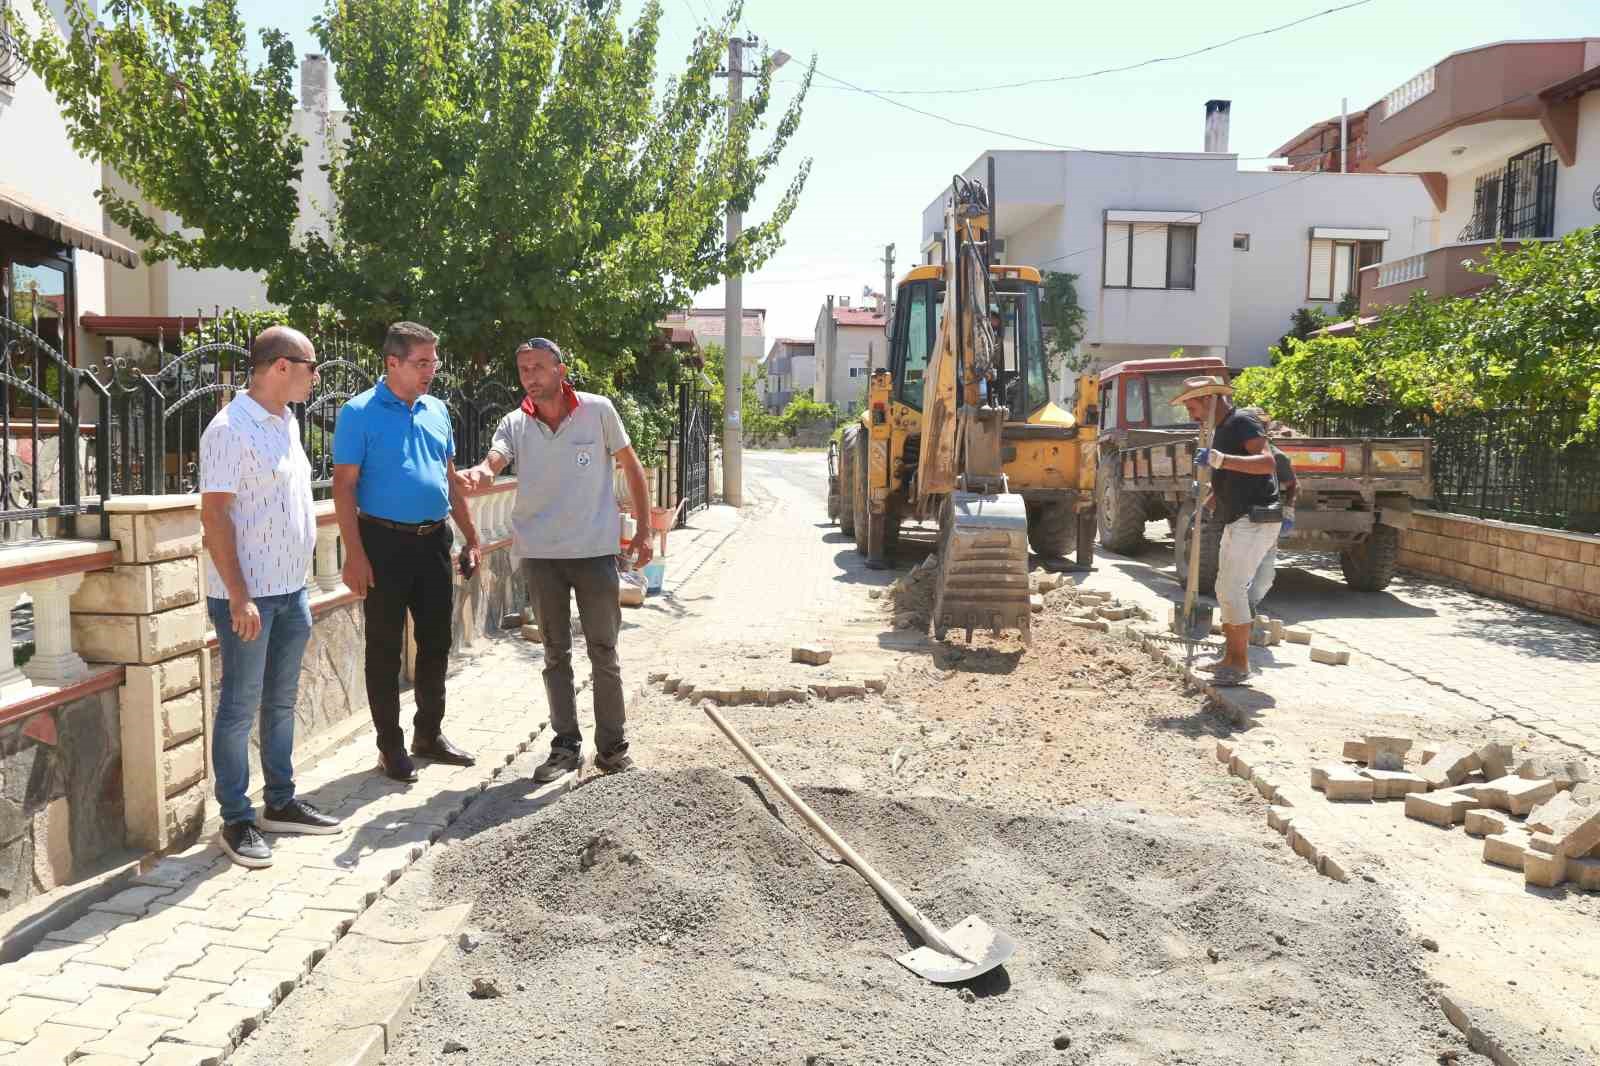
{"points": [[1399, 271], [1442, 273], [1408, 93], [1516, 201]]}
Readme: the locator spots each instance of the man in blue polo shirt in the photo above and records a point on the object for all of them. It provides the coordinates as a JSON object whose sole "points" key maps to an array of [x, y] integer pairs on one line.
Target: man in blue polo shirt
{"points": [[394, 483]]}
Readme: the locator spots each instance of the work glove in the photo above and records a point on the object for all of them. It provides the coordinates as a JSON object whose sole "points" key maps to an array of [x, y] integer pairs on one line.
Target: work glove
{"points": [[1288, 522], [1208, 457]]}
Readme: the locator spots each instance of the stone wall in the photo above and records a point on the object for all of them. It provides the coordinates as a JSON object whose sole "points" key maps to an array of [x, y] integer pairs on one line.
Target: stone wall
{"points": [[1542, 568], [61, 807]]}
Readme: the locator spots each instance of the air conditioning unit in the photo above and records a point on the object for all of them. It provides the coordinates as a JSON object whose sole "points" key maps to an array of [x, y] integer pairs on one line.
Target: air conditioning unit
{"points": [[844, 301]]}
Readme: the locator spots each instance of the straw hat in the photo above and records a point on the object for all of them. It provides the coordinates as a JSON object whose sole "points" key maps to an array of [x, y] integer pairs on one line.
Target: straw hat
{"points": [[1195, 388]]}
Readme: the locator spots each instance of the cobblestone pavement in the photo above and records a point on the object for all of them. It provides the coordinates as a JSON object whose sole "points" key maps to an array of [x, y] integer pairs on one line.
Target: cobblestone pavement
{"points": [[1423, 649]]}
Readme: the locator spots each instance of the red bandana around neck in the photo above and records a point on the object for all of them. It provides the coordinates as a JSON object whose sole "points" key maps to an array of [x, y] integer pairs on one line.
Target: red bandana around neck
{"points": [[569, 396]]}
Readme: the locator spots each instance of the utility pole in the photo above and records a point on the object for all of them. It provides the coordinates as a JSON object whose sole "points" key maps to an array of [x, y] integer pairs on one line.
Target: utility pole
{"points": [[733, 322], [888, 282]]}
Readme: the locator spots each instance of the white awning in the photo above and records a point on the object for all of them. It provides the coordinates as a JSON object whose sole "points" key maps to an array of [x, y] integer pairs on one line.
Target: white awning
{"points": [[26, 213], [1336, 233], [1182, 218]]}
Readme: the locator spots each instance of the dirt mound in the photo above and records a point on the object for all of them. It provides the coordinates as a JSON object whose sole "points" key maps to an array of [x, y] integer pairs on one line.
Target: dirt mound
{"points": [[682, 917]]}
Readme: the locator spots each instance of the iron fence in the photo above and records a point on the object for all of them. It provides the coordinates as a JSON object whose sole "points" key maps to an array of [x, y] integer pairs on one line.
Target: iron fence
{"points": [[1516, 201], [1509, 463]]}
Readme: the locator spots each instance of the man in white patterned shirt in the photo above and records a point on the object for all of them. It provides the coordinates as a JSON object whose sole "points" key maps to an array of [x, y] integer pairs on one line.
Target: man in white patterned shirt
{"points": [[260, 532]]}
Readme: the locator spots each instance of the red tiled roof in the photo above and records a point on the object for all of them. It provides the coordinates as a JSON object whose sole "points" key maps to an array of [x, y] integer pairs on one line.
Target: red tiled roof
{"points": [[851, 316]]}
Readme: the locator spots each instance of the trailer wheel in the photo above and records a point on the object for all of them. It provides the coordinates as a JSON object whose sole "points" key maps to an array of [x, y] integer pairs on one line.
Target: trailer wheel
{"points": [[1369, 566], [1210, 549], [1120, 516]]}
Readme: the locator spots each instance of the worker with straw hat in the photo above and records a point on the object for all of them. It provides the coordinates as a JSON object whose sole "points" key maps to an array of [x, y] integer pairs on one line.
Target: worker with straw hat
{"points": [[1245, 496]]}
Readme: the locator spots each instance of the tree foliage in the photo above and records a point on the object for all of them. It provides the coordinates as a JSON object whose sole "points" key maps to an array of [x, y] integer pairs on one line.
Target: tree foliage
{"points": [[1063, 316], [165, 95], [1532, 340], [506, 168]]}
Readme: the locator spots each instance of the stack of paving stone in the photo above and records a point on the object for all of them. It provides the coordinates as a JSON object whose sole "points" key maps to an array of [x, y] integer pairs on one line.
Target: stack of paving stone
{"points": [[1539, 814]]}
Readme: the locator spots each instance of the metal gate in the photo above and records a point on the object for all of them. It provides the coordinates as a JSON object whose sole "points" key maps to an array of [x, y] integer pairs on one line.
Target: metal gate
{"points": [[694, 450]]}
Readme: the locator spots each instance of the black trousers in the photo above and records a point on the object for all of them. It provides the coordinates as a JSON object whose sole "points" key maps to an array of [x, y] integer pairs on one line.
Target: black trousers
{"points": [[410, 573]]}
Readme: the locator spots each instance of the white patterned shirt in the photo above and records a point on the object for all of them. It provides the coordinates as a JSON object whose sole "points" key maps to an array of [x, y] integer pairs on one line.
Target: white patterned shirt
{"points": [[256, 456]]}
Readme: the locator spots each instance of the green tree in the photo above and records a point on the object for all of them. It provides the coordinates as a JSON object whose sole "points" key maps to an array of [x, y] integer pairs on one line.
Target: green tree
{"points": [[164, 94], [1063, 316], [505, 168]]}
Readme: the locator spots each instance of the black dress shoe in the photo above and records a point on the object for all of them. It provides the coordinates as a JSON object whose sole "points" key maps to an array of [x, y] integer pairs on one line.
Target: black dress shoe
{"points": [[398, 765], [439, 749]]}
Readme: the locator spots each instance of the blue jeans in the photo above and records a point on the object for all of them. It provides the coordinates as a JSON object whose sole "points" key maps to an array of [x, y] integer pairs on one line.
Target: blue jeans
{"points": [[262, 674]]}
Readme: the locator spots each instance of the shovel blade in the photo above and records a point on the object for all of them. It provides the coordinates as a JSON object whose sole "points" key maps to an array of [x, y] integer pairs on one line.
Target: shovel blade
{"points": [[983, 946]]}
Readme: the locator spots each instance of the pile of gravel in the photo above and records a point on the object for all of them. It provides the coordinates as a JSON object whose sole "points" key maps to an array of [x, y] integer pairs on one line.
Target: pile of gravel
{"points": [[690, 917]]}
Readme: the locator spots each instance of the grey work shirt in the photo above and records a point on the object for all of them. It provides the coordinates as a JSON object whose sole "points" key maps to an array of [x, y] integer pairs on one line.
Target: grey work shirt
{"points": [[566, 507]]}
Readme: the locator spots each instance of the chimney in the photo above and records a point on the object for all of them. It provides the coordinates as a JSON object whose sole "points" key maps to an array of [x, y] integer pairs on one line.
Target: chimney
{"points": [[1217, 125], [314, 83]]}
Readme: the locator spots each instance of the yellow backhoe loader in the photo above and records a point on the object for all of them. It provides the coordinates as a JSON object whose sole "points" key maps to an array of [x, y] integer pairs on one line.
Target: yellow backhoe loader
{"points": [[960, 428]]}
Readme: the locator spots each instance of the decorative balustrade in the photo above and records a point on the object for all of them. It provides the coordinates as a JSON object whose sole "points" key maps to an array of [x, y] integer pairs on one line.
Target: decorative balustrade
{"points": [[1408, 93], [1399, 271], [47, 574]]}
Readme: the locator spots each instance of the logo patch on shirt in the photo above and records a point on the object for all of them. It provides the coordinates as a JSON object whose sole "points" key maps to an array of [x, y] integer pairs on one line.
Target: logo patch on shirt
{"points": [[584, 458]]}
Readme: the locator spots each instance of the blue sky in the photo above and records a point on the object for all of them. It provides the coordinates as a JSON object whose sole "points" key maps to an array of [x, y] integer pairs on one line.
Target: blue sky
{"points": [[876, 166]]}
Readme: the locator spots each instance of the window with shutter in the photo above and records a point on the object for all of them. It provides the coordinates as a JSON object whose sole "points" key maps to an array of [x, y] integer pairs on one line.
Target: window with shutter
{"points": [[1117, 249], [1149, 256], [1320, 283], [1343, 269], [1180, 257]]}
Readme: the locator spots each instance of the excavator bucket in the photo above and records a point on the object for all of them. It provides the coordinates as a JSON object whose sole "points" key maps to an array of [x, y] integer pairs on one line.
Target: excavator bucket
{"points": [[983, 565]]}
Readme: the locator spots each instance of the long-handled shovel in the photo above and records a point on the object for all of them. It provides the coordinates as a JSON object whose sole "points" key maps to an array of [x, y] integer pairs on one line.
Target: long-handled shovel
{"points": [[973, 947], [1194, 624]]}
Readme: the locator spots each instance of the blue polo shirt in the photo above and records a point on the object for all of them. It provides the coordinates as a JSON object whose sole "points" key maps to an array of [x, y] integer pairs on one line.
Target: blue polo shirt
{"points": [[401, 451]]}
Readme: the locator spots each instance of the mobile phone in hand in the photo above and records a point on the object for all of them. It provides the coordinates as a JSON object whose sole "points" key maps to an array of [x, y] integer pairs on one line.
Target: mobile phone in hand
{"points": [[465, 565]]}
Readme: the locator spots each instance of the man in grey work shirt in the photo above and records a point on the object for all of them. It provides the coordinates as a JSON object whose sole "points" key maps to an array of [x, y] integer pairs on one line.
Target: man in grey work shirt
{"points": [[565, 529]]}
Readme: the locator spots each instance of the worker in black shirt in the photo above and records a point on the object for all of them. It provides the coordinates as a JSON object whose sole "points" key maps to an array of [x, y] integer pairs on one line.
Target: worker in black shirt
{"points": [[1246, 498]]}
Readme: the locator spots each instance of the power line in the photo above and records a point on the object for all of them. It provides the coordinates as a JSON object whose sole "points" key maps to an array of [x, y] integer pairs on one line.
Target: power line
{"points": [[1122, 69]]}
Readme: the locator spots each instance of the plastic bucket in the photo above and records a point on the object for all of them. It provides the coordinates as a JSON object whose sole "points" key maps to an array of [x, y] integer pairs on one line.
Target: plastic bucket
{"points": [[654, 573]]}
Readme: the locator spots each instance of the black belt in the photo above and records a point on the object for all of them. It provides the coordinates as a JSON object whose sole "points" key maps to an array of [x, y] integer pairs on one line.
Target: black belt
{"points": [[421, 529]]}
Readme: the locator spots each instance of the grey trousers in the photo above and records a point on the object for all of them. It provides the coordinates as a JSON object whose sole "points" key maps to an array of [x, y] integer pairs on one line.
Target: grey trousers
{"points": [[551, 584]]}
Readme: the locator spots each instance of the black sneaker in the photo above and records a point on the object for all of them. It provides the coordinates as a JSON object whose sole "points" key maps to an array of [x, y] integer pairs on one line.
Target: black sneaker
{"points": [[245, 845], [562, 760], [615, 763], [297, 816]]}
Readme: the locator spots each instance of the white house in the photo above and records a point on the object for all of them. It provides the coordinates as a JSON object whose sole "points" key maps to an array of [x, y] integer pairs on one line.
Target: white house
{"points": [[791, 365], [710, 326], [1186, 250], [54, 252], [849, 344], [154, 299]]}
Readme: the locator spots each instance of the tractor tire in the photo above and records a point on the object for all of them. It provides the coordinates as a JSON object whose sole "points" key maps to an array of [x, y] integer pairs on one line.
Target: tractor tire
{"points": [[858, 492], [1120, 516], [1210, 550], [847, 484], [1369, 566], [1052, 529]]}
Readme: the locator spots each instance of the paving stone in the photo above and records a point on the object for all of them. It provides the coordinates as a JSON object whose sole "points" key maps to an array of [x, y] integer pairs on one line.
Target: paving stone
{"points": [[75, 982], [253, 933], [1507, 849], [1586, 872], [284, 906], [220, 964], [56, 1043], [182, 997], [811, 654], [1542, 870], [1224, 751], [1329, 656], [1339, 782], [103, 1007], [135, 901], [168, 1053], [1497, 758], [1584, 839], [1279, 818], [1444, 808], [24, 1014], [263, 990], [289, 957], [363, 958], [47, 957], [1480, 823], [90, 929], [152, 972], [175, 871], [132, 1037], [98, 1059], [1517, 795], [1449, 766], [1296, 635], [217, 1024], [1553, 812], [1394, 784]]}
